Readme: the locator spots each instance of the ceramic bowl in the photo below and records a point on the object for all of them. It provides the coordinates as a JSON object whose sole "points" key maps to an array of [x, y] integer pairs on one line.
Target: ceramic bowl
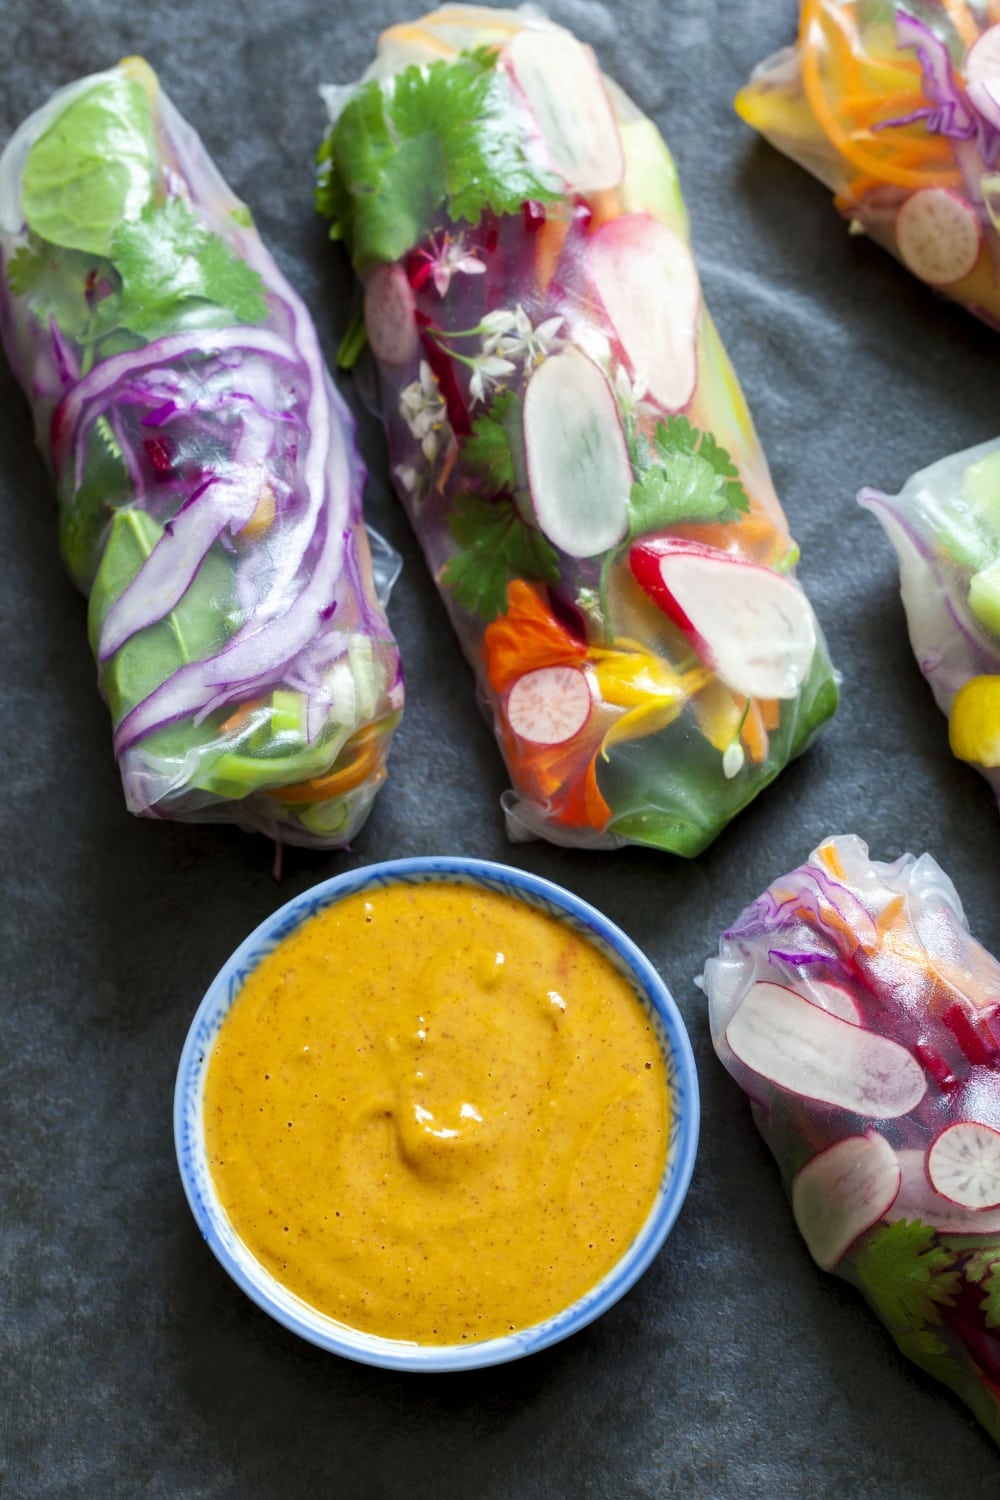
{"points": [[317, 1327]]}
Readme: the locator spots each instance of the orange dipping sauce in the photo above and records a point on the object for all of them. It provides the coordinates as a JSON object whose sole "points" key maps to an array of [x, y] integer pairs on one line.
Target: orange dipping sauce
{"points": [[437, 1114]]}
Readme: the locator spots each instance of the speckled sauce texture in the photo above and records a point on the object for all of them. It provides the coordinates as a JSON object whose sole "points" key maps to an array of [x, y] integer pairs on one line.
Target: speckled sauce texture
{"points": [[436, 1113]]}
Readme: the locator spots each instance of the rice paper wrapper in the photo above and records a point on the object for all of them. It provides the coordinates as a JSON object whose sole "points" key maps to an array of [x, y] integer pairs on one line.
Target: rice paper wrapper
{"points": [[852, 1005], [567, 434], [945, 528], [208, 481], [897, 109]]}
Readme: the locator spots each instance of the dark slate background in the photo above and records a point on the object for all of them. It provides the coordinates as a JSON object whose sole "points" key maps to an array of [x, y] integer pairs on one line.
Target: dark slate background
{"points": [[129, 1364]]}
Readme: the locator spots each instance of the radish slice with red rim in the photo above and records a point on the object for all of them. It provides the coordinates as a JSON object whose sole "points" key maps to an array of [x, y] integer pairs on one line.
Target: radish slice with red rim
{"points": [[550, 705], [794, 1044], [918, 1200], [982, 61], [938, 236], [646, 278], [754, 627], [579, 474], [389, 316], [842, 1192], [963, 1165], [563, 89], [835, 999]]}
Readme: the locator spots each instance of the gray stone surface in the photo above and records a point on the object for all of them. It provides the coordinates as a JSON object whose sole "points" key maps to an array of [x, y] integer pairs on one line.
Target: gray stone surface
{"points": [[129, 1364]]}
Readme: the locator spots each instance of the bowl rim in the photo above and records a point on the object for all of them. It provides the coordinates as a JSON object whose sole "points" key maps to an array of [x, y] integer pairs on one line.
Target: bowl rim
{"points": [[318, 1328]]}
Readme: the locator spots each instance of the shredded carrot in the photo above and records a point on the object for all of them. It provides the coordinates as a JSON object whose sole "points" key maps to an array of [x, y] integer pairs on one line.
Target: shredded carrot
{"points": [[549, 241], [754, 734], [241, 716], [964, 22], [263, 515], [605, 205], [755, 534], [832, 860], [365, 750], [840, 38]]}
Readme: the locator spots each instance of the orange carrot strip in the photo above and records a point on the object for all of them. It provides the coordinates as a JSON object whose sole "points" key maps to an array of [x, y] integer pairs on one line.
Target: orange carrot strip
{"points": [[828, 854], [847, 144], [753, 734], [964, 22], [365, 747]]}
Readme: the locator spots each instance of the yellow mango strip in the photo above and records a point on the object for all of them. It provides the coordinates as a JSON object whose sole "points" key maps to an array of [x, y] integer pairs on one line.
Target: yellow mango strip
{"points": [[263, 515], [718, 715]]}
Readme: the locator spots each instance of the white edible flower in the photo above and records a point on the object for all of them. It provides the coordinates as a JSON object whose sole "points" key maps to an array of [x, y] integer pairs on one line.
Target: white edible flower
{"points": [[512, 335], [631, 392], [422, 407], [487, 369], [732, 760], [449, 257]]}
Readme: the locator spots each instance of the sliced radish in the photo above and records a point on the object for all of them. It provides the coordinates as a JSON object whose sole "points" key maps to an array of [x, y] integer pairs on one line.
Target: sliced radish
{"points": [[918, 1200], [842, 1192], [389, 316], [982, 61], [836, 999], [788, 1040], [938, 236], [646, 278], [963, 1165], [579, 473], [563, 89], [550, 705], [755, 628]]}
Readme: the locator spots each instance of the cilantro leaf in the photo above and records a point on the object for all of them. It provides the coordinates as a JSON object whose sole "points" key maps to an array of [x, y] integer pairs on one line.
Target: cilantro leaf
{"points": [[55, 282], [688, 477], [496, 544], [168, 261], [488, 452], [984, 1267], [907, 1275], [432, 135], [931, 1353]]}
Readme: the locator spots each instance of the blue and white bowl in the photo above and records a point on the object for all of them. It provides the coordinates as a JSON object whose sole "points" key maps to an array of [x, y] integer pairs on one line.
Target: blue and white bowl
{"points": [[290, 1310]]}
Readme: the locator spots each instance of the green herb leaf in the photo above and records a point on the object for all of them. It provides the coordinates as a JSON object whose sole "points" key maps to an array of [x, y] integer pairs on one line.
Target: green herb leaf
{"points": [[689, 477], [401, 149], [931, 1353], [168, 262], [496, 544], [93, 167], [55, 283], [488, 453], [984, 1266], [907, 1275]]}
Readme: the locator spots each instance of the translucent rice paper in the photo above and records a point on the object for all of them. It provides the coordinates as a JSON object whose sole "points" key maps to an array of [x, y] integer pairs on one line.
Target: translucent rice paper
{"points": [[945, 527], [208, 480], [897, 109], [853, 1007], [567, 434]]}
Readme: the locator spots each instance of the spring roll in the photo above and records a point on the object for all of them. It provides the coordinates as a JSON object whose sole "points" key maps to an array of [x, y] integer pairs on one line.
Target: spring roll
{"points": [[855, 1009], [897, 110], [567, 434], [208, 481], [945, 528]]}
